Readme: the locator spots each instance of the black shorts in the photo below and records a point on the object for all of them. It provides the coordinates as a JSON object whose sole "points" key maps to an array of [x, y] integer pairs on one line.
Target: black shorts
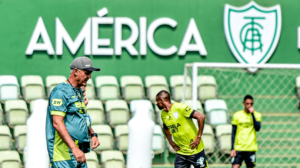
{"points": [[249, 158], [198, 161]]}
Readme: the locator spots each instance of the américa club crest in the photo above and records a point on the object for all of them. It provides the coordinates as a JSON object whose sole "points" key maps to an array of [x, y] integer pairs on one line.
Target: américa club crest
{"points": [[252, 32]]}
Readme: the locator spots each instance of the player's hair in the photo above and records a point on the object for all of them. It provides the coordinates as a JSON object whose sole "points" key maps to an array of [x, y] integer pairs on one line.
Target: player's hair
{"points": [[248, 97], [163, 95]]}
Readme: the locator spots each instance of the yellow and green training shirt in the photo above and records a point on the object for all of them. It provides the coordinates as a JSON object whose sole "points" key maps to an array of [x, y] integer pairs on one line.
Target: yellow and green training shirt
{"points": [[245, 139], [179, 121]]}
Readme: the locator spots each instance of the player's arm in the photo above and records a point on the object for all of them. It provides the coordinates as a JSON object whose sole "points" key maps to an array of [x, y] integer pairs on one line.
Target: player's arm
{"points": [[200, 118], [234, 123], [169, 137], [95, 141], [256, 123], [60, 127]]}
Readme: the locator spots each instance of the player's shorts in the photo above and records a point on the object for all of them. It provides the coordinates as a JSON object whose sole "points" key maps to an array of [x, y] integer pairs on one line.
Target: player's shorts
{"points": [[249, 158], [68, 164], [198, 161]]}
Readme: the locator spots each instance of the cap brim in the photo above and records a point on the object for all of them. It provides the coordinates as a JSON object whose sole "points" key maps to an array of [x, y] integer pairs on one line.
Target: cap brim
{"points": [[92, 69]]}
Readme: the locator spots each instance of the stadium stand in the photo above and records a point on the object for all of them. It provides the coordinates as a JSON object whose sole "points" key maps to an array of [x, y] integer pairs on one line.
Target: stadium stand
{"points": [[112, 159], [1, 115], [207, 87], [10, 159], [20, 137], [117, 112], [105, 137], [216, 111], [96, 111], [107, 88], [9, 88], [223, 134], [52, 81], [132, 88], [176, 83], [90, 89], [208, 139], [92, 160], [5, 138], [121, 134], [32, 87], [154, 84], [16, 112], [158, 140]]}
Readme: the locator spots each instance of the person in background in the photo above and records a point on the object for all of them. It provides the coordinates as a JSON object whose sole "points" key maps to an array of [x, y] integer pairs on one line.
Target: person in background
{"points": [[245, 124]]}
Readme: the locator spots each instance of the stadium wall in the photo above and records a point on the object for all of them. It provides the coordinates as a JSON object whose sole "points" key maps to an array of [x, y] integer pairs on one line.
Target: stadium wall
{"points": [[19, 19]]}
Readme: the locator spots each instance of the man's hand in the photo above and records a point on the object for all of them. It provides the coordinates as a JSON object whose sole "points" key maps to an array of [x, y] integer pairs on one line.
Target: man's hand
{"points": [[251, 110], [233, 153], [174, 146], [79, 155], [95, 142], [195, 143], [86, 101]]}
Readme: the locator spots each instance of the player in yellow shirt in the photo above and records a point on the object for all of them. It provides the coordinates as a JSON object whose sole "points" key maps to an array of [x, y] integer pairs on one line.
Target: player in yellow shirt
{"points": [[181, 131], [245, 124]]}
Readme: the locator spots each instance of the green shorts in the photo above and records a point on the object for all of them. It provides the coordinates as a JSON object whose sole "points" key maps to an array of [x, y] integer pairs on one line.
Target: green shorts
{"points": [[68, 164]]}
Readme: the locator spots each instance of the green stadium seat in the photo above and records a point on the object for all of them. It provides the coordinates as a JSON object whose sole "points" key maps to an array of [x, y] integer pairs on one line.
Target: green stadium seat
{"points": [[199, 106], [117, 112], [223, 134], [216, 111], [107, 88], [145, 104], [52, 81], [10, 159], [32, 87], [9, 88], [90, 89], [154, 84], [20, 132], [132, 88], [176, 83], [208, 139], [207, 87], [112, 159], [16, 112], [121, 134], [105, 137], [92, 160], [158, 143], [96, 111], [5, 138]]}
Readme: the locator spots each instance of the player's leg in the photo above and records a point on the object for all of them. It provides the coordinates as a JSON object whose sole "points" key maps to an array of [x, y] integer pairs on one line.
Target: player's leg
{"points": [[198, 160], [237, 160], [250, 159], [181, 162]]}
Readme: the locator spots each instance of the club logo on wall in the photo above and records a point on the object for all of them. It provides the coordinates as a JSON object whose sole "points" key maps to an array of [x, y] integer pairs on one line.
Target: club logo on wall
{"points": [[252, 31]]}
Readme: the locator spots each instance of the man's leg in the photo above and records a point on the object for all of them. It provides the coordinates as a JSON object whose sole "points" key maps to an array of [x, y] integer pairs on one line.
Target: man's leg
{"points": [[181, 162], [237, 160], [250, 159], [198, 160]]}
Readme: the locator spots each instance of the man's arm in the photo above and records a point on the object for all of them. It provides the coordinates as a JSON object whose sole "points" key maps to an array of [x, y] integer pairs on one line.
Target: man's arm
{"points": [[233, 133], [256, 124], [95, 141], [200, 118], [169, 137], [65, 136]]}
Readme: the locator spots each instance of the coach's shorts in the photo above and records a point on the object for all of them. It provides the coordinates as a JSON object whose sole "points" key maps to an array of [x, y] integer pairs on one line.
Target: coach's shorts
{"points": [[249, 158], [198, 161], [68, 164]]}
